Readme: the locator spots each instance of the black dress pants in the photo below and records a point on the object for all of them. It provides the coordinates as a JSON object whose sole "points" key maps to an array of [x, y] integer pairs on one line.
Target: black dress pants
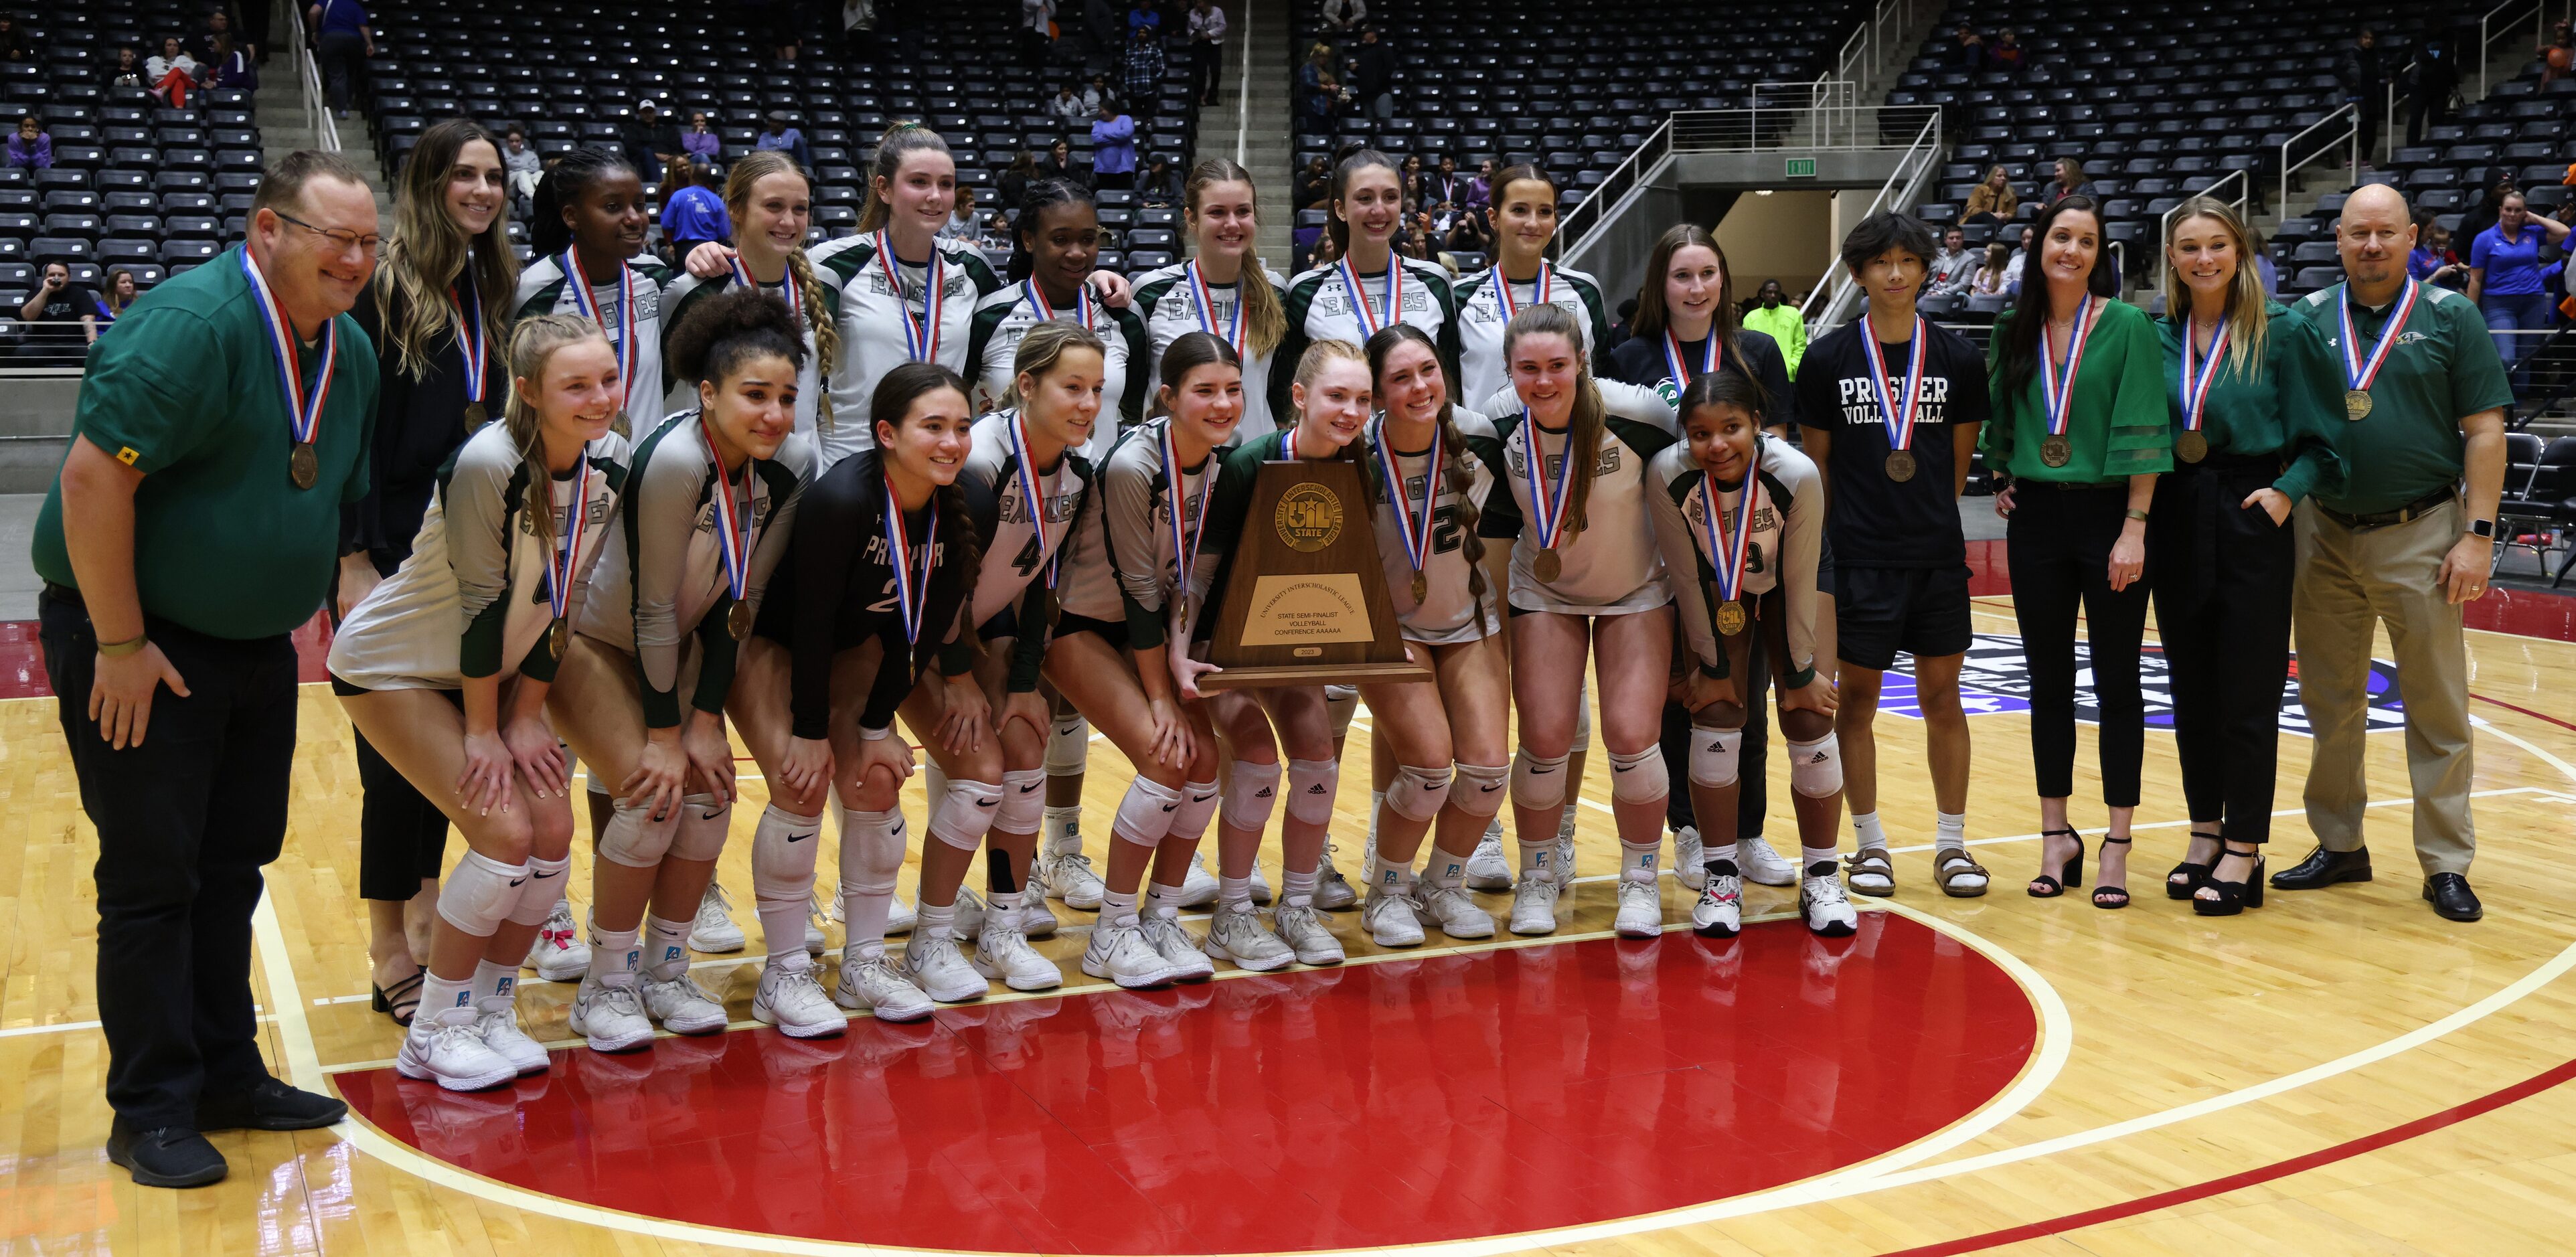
{"points": [[185, 821], [2223, 577], [2059, 542]]}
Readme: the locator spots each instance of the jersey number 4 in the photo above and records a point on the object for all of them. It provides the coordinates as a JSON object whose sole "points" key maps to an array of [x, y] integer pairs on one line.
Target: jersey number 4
{"points": [[1029, 556]]}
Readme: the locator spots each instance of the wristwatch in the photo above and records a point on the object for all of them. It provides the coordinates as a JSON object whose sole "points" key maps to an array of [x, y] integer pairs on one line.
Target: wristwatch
{"points": [[2484, 528]]}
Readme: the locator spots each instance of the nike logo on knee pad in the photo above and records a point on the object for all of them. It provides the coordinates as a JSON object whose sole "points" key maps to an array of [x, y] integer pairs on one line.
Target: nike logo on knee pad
{"points": [[521, 881], [543, 876], [801, 837]]}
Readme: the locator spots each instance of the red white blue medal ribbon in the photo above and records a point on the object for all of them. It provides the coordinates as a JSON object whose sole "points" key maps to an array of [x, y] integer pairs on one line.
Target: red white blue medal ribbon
{"points": [[1898, 411], [471, 338], [1416, 533], [1727, 548], [1368, 320], [1031, 491], [1673, 360], [733, 520], [565, 558], [2196, 381], [621, 337], [1233, 332], [1046, 312], [1183, 557], [2358, 371], [911, 588], [1543, 288], [786, 290], [1548, 494], [303, 413], [2057, 393], [920, 339]]}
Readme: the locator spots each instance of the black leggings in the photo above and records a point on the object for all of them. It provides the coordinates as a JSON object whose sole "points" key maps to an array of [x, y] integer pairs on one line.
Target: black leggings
{"points": [[2222, 584], [2059, 542]]}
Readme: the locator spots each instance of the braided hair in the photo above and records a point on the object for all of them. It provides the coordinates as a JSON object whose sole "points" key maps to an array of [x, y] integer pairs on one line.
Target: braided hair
{"points": [[820, 326], [1460, 466]]}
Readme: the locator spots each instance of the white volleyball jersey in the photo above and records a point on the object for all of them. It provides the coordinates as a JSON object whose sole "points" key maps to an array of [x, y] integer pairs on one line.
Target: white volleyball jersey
{"points": [[1448, 612], [1004, 318], [1320, 307], [542, 290], [1611, 566], [884, 306], [1484, 311], [1780, 550], [1173, 308]]}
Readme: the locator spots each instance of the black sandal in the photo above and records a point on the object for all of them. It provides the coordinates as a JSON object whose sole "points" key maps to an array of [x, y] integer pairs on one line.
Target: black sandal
{"points": [[401, 1000], [2195, 875], [2071, 874], [2111, 896], [2233, 897]]}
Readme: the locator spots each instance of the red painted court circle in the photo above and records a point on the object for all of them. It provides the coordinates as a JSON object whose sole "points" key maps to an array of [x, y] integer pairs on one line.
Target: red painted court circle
{"points": [[1399, 1102]]}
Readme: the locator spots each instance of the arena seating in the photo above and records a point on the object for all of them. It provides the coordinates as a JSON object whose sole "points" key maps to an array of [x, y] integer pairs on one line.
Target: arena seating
{"points": [[134, 184], [570, 75]]}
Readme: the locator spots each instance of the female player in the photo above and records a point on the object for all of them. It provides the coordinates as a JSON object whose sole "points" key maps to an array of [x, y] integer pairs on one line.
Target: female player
{"points": [[589, 218], [1055, 242], [440, 295], [1740, 519], [1570, 471], [881, 565], [668, 607], [1446, 736], [1209, 293], [1133, 554], [462, 715], [2081, 432], [1524, 220], [2252, 405], [1329, 395], [771, 203], [1369, 287]]}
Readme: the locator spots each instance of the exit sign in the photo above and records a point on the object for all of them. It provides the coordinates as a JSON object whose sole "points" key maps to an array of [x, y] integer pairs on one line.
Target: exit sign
{"points": [[1801, 168]]}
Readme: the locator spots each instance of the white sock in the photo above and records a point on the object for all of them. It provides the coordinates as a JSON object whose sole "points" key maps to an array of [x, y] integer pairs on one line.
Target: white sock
{"points": [[1866, 831], [666, 947], [1636, 862], [938, 920], [495, 981], [1165, 901], [1234, 892], [1003, 902], [782, 925], [1377, 800], [1299, 892], [439, 995], [1118, 909], [613, 952], [1388, 876], [1810, 857], [1536, 857], [865, 913], [1719, 861], [1446, 871], [1950, 830], [1063, 831]]}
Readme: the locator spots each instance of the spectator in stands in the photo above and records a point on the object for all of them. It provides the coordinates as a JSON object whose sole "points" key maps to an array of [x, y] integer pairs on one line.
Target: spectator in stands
{"points": [[2506, 283], [521, 161], [700, 141], [1113, 148], [1207, 49], [2364, 82], [1317, 89], [1014, 183], [171, 73], [2070, 181], [784, 138], [996, 236], [1992, 201], [1344, 15], [962, 225], [1327, 251], [1620, 331], [219, 25], [129, 69], [1372, 76], [2555, 55], [1993, 277], [1408, 181], [2479, 217], [1141, 71], [1773, 316], [1444, 186], [648, 142], [61, 317], [346, 39], [1413, 239], [14, 43], [1160, 186], [121, 292], [1037, 31], [1968, 48], [2013, 267], [29, 147], [2431, 86], [1103, 26], [233, 66], [695, 212], [1143, 16], [677, 173], [1058, 165], [1470, 233], [2431, 261], [1314, 183], [2007, 55], [1067, 107], [1953, 268], [1094, 93]]}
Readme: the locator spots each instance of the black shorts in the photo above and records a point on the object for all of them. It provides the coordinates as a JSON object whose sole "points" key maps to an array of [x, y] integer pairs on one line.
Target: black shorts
{"points": [[455, 698], [1113, 632], [1881, 611]]}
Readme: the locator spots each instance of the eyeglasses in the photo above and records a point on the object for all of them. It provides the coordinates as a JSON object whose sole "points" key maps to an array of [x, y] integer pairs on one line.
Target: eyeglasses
{"points": [[341, 240]]}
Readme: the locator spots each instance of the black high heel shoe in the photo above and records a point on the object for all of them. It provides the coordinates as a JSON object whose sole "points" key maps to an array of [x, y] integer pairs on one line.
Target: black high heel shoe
{"points": [[2195, 875], [2110, 896], [2070, 874], [2233, 897]]}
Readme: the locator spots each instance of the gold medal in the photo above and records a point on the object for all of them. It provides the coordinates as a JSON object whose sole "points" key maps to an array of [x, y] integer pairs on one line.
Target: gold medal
{"points": [[1548, 566], [1421, 589], [303, 465], [1730, 617], [2191, 447], [2356, 403], [738, 621], [476, 416], [558, 637], [1900, 465], [2055, 451]]}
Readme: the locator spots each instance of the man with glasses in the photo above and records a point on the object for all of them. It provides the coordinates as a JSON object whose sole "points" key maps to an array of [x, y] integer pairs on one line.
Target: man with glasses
{"points": [[193, 525]]}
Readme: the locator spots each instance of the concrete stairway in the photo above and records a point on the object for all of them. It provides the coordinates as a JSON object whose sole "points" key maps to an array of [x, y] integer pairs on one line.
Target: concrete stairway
{"points": [[285, 126], [1257, 89]]}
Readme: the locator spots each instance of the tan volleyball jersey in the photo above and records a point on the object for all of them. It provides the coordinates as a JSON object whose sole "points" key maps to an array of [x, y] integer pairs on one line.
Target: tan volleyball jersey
{"points": [[1123, 566], [1781, 548], [1611, 566], [1447, 613]]}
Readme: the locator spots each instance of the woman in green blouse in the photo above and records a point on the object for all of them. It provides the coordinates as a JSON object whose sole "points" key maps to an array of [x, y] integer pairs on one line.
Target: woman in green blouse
{"points": [[2078, 437], [2251, 388]]}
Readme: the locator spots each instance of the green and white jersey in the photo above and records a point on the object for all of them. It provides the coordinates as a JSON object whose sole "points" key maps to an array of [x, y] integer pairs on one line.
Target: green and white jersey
{"points": [[1122, 565], [1173, 309], [471, 601], [542, 290], [686, 290], [1320, 308], [1005, 317], [1611, 566], [997, 499], [1781, 549], [882, 308], [661, 577], [1448, 612], [1485, 309]]}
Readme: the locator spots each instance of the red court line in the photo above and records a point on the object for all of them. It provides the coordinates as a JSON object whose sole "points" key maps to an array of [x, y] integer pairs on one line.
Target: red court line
{"points": [[2487, 1103], [2524, 711]]}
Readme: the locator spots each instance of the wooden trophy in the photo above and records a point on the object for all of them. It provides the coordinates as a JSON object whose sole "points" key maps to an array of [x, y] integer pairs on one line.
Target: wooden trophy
{"points": [[1306, 602]]}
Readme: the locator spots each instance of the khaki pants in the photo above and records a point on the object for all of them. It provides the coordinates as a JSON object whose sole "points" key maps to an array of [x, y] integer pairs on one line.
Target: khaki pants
{"points": [[2348, 582]]}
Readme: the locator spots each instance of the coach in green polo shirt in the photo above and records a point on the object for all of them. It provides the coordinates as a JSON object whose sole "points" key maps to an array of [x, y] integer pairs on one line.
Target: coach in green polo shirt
{"points": [[194, 524], [2398, 544]]}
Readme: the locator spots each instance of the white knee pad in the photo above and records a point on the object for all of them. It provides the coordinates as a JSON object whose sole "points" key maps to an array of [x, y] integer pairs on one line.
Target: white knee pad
{"points": [[1715, 755], [1251, 789], [538, 894], [964, 812], [1582, 718], [1537, 782], [1341, 702], [1416, 794], [782, 855], [1023, 801], [1146, 814], [1068, 747], [478, 896], [1639, 778], [1481, 788], [1198, 805], [704, 822], [1311, 784], [872, 845], [1816, 768], [633, 838]]}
